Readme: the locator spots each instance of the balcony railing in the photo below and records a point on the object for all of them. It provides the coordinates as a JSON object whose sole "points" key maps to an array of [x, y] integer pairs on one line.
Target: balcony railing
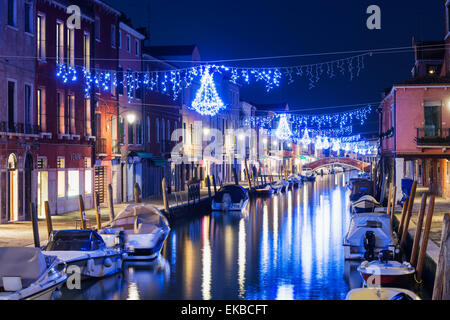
{"points": [[13, 127], [101, 146], [433, 137]]}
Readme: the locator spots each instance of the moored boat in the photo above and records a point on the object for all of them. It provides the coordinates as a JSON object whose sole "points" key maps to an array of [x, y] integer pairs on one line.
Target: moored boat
{"points": [[387, 273], [366, 203], [141, 228], [381, 294], [230, 197], [368, 235], [85, 249], [265, 191], [27, 274]]}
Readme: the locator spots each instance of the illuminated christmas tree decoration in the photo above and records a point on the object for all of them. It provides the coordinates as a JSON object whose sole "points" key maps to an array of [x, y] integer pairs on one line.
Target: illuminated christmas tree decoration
{"points": [[306, 140], [336, 145], [347, 147], [318, 145], [207, 102], [283, 131]]}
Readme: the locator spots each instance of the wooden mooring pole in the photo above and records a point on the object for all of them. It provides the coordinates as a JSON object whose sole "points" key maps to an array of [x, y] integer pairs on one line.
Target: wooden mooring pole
{"points": [[394, 198], [208, 183], [214, 184], [35, 225], [441, 290], [415, 248], [408, 213], [97, 211], [388, 209], [82, 212], [137, 193], [48, 217], [402, 218], [111, 203], [424, 244], [165, 196]]}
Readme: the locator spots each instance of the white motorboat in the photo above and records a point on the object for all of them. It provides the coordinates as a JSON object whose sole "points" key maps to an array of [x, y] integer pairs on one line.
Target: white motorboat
{"points": [[85, 249], [381, 294], [230, 197], [366, 203], [27, 274], [308, 175], [368, 235], [387, 271], [265, 191], [142, 230]]}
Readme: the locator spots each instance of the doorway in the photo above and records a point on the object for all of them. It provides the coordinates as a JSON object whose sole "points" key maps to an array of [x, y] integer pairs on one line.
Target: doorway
{"points": [[42, 192], [13, 188]]}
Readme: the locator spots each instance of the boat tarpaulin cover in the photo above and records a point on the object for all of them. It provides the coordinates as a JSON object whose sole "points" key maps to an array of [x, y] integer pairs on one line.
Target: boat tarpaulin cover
{"points": [[140, 218], [27, 263], [236, 192]]}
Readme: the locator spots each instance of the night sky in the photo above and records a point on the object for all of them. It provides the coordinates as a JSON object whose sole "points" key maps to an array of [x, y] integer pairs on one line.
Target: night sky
{"points": [[248, 28]]}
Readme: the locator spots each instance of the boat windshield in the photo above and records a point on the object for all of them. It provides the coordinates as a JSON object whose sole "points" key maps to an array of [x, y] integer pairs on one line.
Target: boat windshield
{"points": [[69, 241]]}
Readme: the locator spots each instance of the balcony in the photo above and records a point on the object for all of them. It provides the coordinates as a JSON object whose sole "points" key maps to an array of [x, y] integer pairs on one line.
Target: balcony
{"points": [[19, 128], [101, 146], [433, 137]]}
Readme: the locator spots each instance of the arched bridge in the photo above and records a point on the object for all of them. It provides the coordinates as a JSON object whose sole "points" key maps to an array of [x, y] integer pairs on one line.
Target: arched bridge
{"points": [[348, 162]]}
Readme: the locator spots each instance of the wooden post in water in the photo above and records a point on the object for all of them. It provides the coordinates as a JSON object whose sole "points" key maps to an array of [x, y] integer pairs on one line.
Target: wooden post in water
{"points": [[424, 244], [402, 218], [137, 193], [417, 235], [165, 197], [111, 203], [35, 225], [208, 183], [248, 176], [82, 212], [388, 209], [48, 217], [408, 213], [214, 184], [441, 290], [394, 198], [97, 211], [236, 179]]}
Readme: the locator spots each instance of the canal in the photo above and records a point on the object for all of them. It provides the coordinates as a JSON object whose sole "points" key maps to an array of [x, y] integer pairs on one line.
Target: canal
{"points": [[286, 246]]}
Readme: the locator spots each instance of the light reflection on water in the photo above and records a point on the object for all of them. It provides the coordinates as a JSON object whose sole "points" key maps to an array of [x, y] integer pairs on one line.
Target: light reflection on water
{"points": [[287, 246]]}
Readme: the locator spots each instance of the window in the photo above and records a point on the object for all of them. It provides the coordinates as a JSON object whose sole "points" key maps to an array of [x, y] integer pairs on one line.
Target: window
{"points": [[136, 47], [11, 104], [61, 178], [120, 39], [71, 47], [168, 130], [192, 134], [28, 108], [120, 81], [128, 43], [40, 24], [61, 122], [73, 188], [121, 131], [97, 28], [448, 16], [87, 52], [12, 13], [163, 130], [28, 7], [130, 133], [184, 132], [157, 130], [432, 119], [139, 132], [87, 116], [433, 70], [39, 100], [70, 114], [148, 129], [113, 36], [59, 42]]}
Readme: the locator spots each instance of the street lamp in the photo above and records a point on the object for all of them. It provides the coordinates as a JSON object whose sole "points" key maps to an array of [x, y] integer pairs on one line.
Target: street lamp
{"points": [[131, 118]]}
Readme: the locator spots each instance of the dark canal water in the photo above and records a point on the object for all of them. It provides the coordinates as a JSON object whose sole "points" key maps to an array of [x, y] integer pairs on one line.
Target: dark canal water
{"points": [[287, 246]]}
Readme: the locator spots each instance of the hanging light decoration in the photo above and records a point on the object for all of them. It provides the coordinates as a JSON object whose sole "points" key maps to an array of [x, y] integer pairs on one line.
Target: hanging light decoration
{"points": [[306, 140], [283, 131], [325, 143], [318, 145], [207, 102], [336, 145]]}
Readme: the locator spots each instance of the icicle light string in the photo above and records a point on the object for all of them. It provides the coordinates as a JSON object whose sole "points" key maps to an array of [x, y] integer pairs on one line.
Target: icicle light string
{"points": [[173, 81]]}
